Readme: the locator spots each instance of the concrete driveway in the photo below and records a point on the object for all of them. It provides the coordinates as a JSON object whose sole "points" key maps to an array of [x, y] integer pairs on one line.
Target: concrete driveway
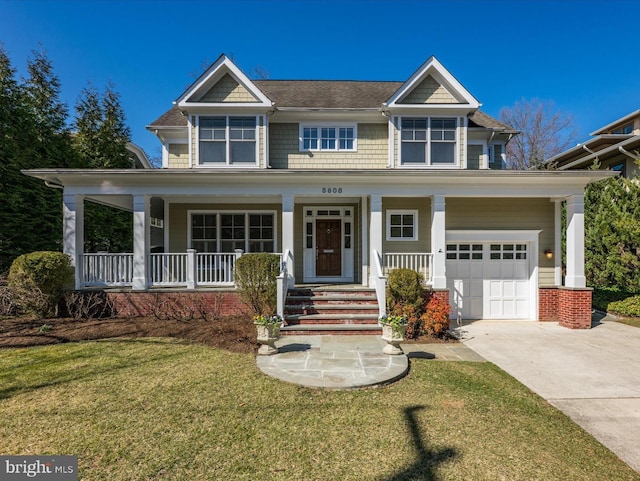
{"points": [[593, 376]]}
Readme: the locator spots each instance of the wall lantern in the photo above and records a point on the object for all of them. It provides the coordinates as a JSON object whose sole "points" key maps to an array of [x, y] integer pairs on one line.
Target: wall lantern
{"points": [[548, 254]]}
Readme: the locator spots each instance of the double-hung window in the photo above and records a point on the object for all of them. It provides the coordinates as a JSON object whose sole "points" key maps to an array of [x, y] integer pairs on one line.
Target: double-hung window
{"points": [[328, 137], [428, 141], [227, 140], [228, 231]]}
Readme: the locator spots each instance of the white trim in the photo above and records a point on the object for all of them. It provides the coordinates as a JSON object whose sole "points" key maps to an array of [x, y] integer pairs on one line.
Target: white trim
{"points": [[233, 211], [167, 237], [265, 139], [412, 212], [557, 233], [364, 225], [321, 125], [192, 159], [392, 138]]}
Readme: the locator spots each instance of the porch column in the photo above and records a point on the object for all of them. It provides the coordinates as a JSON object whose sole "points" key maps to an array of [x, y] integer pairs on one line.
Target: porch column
{"points": [[287, 234], [575, 242], [438, 242], [141, 212], [375, 235], [557, 220], [364, 221], [73, 233]]}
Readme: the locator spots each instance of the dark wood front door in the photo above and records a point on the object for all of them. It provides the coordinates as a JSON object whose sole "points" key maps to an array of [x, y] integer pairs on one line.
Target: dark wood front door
{"points": [[329, 248]]}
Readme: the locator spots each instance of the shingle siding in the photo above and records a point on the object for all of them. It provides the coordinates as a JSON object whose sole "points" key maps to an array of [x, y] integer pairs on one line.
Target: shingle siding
{"points": [[227, 90], [429, 92]]}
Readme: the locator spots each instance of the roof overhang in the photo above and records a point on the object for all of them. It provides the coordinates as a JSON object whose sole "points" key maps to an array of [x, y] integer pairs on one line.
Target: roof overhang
{"points": [[621, 120], [350, 183], [632, 142]]}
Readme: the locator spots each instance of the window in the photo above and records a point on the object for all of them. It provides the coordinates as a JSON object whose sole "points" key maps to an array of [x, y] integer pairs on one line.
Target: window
{"points": [[227, 140], [619, 167], [228, 231], [508, 251], [428, 141], [328, 137], [402, 225], [626, 129], [464, 252]]}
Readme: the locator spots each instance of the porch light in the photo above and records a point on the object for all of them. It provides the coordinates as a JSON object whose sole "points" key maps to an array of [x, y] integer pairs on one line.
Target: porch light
{"points": [[548, 254]]}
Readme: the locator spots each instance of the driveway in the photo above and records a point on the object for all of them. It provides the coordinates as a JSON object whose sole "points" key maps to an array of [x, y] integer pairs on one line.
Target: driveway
{"points": [[593, 376]]}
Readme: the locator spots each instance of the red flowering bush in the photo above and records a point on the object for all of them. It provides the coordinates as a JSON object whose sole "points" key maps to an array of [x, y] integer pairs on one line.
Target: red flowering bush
{"points": [[435, 320]]}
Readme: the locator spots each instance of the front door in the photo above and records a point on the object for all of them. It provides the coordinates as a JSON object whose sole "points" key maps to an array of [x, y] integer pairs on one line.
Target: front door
{"points": [[329, 248]]}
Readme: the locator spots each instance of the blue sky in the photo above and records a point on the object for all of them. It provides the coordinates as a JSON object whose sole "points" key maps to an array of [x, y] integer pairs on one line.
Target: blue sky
{"points": [[579, 54]]}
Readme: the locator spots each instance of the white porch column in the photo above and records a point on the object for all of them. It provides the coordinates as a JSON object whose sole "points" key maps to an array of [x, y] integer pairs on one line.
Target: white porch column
{"points": [[375, 235], [438, 242], [73, 233], [557, 220], [141, 213], [287, 234], [364, 220], [575, 242]]}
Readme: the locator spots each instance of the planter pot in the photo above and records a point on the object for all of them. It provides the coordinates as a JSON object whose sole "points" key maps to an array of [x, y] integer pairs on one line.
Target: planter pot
{"points": [[393, 336], [267, 336]]}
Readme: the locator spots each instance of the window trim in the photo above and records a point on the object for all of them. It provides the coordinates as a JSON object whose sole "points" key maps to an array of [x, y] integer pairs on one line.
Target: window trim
{"points": [[428, 142], [413, 212], [218, 213], [324, 125], [227, 162]]}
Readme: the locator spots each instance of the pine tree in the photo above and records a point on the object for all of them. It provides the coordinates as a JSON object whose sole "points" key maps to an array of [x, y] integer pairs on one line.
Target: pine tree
{"points": [[101, 141]]}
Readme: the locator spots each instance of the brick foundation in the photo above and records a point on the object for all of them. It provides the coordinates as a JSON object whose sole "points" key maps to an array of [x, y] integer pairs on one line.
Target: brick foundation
{"points": [[548, 304], [574, 307], [144, 303]]}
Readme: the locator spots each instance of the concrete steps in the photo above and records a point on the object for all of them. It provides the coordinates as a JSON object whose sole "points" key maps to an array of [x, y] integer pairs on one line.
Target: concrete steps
{"points": [[323, 311]]}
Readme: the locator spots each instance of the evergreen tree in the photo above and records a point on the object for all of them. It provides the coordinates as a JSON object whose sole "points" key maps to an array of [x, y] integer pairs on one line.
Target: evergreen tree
{"points": [[34, 135], [612, 233], [101, 141]]}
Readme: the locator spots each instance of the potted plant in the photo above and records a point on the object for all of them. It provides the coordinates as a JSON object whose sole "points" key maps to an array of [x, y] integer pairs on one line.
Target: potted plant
{"points": [[268, 332], [393, 328]]}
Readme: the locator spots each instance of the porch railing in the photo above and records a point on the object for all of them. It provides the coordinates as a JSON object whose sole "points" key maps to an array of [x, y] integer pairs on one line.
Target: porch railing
{"points": [[105, 269], [215, 269], [168, 269], [421, 262]]}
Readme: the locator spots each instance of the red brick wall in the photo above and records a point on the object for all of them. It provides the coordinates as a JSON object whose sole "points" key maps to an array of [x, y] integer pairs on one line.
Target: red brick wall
{"points": [[141, 304], [548, 304], [574, 307]]}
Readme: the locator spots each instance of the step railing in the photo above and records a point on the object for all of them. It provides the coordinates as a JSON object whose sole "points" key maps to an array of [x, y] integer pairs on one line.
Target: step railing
{"points": [[379, 283], [421, 262], [284, 280]]}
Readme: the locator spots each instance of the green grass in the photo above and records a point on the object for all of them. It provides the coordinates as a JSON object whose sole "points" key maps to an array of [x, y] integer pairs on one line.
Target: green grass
{"points": [[157, 409], [629, 321]]}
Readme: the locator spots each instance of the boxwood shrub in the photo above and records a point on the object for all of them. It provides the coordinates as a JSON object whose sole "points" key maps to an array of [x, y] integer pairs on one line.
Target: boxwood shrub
{"points": [[629, 307], [255, 276]]}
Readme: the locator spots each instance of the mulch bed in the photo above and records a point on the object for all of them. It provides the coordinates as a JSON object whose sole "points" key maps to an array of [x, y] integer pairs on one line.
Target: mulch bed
{"points": [[232, 334]]}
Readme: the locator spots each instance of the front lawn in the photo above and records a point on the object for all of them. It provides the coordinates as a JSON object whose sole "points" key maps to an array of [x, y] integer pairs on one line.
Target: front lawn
{"points": [[151, 408]]}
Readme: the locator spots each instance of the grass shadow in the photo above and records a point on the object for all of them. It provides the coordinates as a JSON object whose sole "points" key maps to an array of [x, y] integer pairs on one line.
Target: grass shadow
{"points": [[295, 347], [427, 460], [420, 355]]}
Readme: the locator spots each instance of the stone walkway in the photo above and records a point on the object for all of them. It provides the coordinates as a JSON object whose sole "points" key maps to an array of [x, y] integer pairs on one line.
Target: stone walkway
{"points": [[349, 362]]}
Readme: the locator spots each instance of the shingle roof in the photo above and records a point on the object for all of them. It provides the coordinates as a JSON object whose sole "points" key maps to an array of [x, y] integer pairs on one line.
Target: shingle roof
{"points": [[328, 94], [480, 119]]}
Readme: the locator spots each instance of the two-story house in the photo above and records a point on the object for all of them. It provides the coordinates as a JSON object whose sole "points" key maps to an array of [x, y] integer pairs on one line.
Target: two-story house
{"points": [[345, 180], [616, 146]]}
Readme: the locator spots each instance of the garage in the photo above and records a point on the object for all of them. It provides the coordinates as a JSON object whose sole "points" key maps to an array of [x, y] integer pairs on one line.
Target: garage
{"points": [[492, 279]]}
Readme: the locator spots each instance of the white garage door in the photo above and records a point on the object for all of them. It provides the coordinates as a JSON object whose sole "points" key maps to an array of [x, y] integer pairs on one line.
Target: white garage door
{"points": [[489, 280]]}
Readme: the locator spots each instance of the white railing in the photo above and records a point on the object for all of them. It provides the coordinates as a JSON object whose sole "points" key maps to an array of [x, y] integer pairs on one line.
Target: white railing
{"points": [[283, 280], [215, 269], [380, 283], [168, 269], [104, 269], [421, 262]]}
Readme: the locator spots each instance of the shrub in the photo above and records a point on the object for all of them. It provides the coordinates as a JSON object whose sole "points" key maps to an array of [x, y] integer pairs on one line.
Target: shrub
{"points": [[435, 320], [404, 287], [602, 296], [414, 323], [255, 276], [630, 307], [49, 273]]}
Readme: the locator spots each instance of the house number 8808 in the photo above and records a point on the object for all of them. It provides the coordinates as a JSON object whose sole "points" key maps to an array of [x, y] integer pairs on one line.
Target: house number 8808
{"points": [[332, 190]]}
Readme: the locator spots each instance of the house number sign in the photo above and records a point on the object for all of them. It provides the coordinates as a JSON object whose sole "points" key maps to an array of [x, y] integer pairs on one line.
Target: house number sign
{"points": [[332, 190]]}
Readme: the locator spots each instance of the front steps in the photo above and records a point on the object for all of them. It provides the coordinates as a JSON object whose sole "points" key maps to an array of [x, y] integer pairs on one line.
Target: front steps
{"points": [[331, 310]]}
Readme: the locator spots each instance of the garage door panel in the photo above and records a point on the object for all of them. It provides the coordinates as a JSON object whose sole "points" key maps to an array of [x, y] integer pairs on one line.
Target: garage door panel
{"points": [[490, 280]]}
